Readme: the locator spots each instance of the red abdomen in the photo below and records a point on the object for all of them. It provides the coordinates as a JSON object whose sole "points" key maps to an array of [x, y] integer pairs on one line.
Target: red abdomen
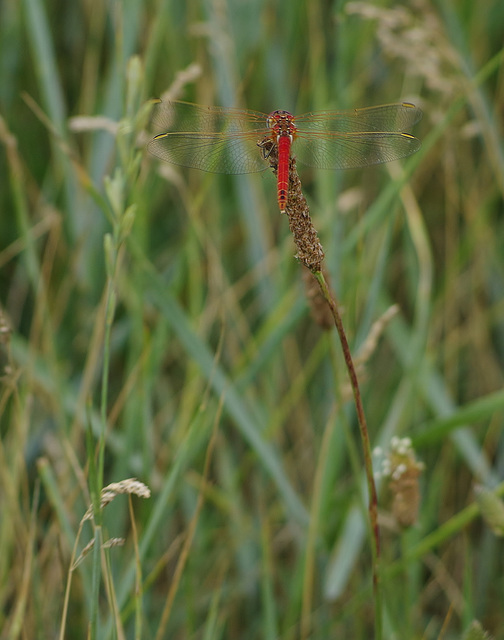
{"points": [[284, 144]]}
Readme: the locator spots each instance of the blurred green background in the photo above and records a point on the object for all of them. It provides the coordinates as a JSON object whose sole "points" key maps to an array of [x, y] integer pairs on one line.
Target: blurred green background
{"points": [[165, 306]]}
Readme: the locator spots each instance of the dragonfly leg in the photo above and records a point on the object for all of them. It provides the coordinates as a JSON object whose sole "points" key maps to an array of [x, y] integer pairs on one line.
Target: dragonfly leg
{"points": [[266, 146]]}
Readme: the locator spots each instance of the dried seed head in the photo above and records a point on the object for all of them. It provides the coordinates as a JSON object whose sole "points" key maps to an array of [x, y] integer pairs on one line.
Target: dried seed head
{"points": [[417, 36], [492, 509], [310, 252], [403, 470], [130, 486]]}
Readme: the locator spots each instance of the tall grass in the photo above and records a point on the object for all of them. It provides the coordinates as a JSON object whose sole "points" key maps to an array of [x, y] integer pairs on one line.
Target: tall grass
{"points": [[154, 325]]}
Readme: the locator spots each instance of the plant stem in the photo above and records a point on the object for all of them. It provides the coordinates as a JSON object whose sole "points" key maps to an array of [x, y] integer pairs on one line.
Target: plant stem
{"points": [[366, 445], [311, 254]]}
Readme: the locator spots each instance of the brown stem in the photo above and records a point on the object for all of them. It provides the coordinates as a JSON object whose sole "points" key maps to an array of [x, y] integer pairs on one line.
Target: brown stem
{"points": [[311, 254]]}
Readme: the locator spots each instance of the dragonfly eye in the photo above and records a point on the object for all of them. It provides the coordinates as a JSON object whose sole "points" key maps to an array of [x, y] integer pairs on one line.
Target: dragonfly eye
{"points": [[271, 121]]}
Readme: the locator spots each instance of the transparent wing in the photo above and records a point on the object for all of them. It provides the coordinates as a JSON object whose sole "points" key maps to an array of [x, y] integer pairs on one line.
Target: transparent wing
{"points": [[212, 139], [387, 117], [356, 138], [353, 150], [222, 140]]}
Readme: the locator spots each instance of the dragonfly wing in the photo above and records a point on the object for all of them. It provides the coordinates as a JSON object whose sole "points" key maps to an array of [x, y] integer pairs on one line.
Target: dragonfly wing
{"points": [[353, 150], [185, 116], [208, 138], [356, 138], [388, 117], [209, 152]]}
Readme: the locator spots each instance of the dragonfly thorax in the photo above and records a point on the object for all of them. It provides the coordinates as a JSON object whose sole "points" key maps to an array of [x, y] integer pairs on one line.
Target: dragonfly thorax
{"points": [[281, 124]]}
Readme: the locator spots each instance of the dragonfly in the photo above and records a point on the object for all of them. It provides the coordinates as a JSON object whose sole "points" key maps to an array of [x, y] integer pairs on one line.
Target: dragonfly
{"points": [[238, 141]]}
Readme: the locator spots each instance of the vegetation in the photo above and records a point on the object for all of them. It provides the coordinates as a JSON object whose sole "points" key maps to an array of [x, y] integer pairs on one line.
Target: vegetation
{"points": [[156, 336]]}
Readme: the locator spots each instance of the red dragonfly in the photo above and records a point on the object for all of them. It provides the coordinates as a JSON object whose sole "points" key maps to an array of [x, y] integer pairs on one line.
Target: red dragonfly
{"points": [[222, 140]]}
